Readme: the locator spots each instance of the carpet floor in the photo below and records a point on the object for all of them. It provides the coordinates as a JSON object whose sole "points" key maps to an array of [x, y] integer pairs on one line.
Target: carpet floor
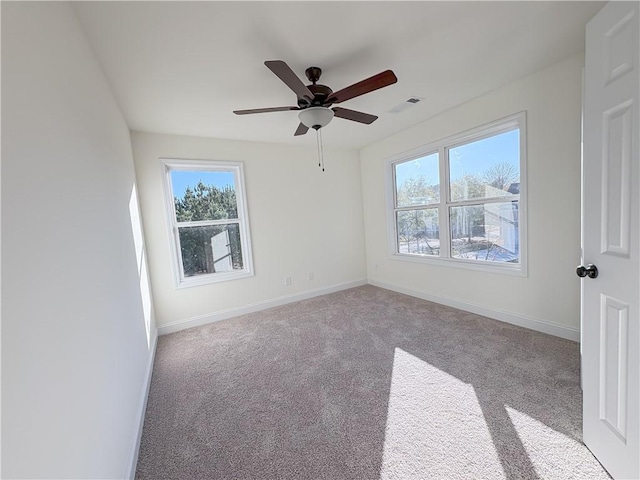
{"points": [[364, 384]]}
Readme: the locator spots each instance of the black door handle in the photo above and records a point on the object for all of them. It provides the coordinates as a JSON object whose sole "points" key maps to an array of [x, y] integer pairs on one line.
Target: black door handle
{"points": [[590, 271]]}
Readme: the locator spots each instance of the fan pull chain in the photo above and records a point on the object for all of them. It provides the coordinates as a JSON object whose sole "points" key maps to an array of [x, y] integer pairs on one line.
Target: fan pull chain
{"points": [[318, 145], [321, 149]]}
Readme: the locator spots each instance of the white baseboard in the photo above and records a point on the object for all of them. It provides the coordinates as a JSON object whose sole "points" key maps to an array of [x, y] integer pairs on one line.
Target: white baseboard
{"points": [[142, 408], [508, 317], [254, 307]]}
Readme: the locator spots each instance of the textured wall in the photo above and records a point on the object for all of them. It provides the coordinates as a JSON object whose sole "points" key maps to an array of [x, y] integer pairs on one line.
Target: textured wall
{"points": [[77, 337]]}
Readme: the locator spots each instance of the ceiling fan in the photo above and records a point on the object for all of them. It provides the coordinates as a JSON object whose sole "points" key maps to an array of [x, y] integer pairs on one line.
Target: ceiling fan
{"points": [[314, 101]]}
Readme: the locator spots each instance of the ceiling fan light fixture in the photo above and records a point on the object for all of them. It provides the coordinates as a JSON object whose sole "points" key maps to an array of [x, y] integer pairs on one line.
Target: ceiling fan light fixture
{"points": [[315, 117]]}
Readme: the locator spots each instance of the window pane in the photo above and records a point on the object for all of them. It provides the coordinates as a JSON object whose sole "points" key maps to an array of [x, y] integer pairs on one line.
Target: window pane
{"points": [[418, 181], [486, 232], [210, 249], [203, 195], [418, 232], [487, 168]]}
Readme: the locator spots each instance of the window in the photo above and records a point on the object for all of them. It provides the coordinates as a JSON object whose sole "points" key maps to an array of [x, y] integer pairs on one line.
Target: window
{"points": [[461, 200], [207, 217]]}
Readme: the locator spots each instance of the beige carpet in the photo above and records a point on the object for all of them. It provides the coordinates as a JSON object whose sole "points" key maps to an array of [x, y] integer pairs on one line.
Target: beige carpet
{"points": [[364, 384]]}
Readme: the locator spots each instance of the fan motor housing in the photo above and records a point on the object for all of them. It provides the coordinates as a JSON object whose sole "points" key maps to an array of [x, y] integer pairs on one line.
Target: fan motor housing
{"points": [[320, 95]]}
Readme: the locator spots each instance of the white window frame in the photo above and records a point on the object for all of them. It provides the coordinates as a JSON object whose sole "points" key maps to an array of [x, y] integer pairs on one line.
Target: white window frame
{"points": [[442, 147], [180, 281]]}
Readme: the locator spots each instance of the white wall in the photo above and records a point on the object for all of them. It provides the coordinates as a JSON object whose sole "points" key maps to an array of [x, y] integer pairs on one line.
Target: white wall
{"points": [[550, 294], [75, 352], [301, 219]]}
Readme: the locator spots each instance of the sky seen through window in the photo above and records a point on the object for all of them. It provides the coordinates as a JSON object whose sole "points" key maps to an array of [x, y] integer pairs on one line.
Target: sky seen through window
{"points": [[469, 159], [181, 179]]}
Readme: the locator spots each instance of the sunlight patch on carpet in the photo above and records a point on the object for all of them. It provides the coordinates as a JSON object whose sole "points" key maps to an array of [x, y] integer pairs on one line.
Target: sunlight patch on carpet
{"points": [[435, 427], [539, 439]]}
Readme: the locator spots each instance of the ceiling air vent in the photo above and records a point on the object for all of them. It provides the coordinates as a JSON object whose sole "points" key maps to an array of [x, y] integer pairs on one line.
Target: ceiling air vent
{"points": [[406, 104]]}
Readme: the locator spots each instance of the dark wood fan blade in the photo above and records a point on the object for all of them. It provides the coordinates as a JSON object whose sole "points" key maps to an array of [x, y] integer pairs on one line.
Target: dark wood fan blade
{"points": [[301, 130], [291, 80], [354, 115], [370, 84], [264, 110]]}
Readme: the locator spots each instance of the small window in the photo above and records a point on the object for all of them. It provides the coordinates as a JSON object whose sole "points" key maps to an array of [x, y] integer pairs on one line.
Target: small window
{"points": [[417, 193], [461, 201], [206, 211]]}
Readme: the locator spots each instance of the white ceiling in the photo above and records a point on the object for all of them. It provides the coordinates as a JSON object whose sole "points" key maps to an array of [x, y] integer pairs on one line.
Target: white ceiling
{"points": [[183, 67]]}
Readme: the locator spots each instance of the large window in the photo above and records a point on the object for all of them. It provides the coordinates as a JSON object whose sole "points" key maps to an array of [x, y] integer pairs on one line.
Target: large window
{"points": [[206, 212], [461, 200]]}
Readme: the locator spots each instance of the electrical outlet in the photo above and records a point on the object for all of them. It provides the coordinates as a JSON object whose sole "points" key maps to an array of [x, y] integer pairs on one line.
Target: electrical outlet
{"points": [[310, 275], [287, 281]]}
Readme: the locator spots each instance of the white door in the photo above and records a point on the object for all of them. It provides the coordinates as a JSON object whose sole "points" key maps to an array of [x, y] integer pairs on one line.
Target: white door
{"points": [[610, 231]]}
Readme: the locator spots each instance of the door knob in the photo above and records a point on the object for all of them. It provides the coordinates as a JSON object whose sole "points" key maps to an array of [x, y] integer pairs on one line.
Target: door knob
{"points": [[590, 271]]}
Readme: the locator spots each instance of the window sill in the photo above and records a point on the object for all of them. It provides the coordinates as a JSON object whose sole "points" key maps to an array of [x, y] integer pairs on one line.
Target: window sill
{"points": [[518, 270], [199, 280]]}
